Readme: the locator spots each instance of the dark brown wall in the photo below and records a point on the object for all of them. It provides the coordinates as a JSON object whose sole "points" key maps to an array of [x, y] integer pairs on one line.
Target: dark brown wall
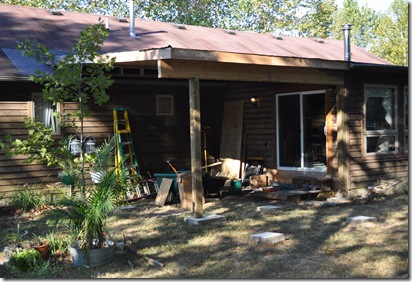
{"points": [[367, 170]]}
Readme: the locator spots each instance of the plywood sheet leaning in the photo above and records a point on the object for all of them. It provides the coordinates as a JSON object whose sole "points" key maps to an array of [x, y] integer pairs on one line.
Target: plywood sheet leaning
{"points": [[163, 191], [231, 142]]}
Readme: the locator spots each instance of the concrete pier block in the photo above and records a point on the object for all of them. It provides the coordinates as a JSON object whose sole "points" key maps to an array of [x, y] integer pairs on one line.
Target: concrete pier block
{"points": [[206, 219], [269, 209], [267, 237], [360, 219]]}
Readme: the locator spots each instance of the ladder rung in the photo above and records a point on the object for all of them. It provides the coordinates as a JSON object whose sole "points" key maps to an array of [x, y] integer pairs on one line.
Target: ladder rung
{"points": [[127, 143], [123, 131]]}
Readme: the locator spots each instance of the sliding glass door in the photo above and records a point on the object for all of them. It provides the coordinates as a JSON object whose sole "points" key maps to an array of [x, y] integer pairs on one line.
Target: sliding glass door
{"points": [[300, 131]]}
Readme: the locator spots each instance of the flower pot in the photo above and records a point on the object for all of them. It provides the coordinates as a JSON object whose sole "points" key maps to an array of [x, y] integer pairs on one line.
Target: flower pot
{"points": [[42, 248], [96, 257]]}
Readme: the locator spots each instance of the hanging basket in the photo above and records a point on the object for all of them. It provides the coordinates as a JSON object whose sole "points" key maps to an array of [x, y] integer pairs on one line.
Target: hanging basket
{"points": [[67, 179], [96, 176]]}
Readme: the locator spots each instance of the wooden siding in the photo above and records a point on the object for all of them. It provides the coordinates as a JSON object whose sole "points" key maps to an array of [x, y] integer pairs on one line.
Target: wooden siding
{"points": [[14, 173], [368, 170], [258, 121], [157, 139]]}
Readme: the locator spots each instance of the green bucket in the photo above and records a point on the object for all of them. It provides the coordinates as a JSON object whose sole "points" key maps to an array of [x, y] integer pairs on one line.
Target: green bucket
{"points": [[236, 186]]}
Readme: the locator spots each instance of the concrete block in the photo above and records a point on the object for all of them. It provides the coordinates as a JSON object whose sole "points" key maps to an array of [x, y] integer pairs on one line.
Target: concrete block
{"points": [[320, 203], [206, 219], [360, 219], [268, 237], [269, 209]]}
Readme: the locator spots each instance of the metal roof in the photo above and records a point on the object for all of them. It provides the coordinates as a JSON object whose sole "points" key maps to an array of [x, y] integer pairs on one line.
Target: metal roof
{"points": [[60, 32]]}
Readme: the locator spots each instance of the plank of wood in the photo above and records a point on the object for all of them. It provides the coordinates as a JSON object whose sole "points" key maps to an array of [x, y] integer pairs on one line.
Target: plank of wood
{"points": [[163, 191], [231, 141]]}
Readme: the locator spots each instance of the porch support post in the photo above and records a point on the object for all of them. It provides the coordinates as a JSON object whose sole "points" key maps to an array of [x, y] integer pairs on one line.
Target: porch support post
{"points": [[343, 141], [195, 147]]}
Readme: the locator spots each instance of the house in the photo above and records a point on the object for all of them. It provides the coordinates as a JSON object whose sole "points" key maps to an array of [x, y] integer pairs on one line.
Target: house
{"points": [[307, 107]]}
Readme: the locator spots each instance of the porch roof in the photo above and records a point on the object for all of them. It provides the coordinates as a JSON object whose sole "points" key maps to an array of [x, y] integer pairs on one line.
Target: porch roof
{"points": [[168, 46]]}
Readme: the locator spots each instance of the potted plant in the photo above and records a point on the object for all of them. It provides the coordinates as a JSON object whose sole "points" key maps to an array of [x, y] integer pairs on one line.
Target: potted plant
{"points": [[102, 159], [86, 217], [40, 245]]}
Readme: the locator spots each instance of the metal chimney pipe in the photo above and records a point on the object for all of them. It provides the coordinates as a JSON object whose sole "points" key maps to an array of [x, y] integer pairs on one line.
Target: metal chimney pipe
{"points": [[346, 29], [131, 11]]}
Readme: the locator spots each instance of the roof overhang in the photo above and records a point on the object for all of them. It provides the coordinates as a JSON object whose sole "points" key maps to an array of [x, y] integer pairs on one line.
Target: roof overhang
{"points": [[176, 63], [379, 68]]}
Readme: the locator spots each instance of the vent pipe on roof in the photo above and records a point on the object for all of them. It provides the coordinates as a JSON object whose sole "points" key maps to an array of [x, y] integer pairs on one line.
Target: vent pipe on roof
{"points": [[346, 29], [131, 11]]}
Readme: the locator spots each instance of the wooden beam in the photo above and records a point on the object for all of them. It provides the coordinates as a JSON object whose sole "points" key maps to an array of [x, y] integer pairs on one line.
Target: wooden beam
{"points": [[195, 146], [224, 57], [254, 59], [180, 69], [343, 142], [139, 56]]}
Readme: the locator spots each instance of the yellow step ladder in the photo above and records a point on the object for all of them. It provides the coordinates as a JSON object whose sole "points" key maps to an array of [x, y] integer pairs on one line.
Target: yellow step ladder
{"points": [[127, 165]]}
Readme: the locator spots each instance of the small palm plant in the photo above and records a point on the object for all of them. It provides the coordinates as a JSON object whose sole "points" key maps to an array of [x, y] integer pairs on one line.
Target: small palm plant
{"points": [[86, 217], [102, 159]]}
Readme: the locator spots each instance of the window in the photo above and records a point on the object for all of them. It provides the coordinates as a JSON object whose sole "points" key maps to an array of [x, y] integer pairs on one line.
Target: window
{"points": [[406, 121], [164, 105], [44, 112], [380, 119]]}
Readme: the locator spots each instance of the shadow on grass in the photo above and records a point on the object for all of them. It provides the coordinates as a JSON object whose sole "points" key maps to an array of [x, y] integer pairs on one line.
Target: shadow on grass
{"points": [[313, 247]]}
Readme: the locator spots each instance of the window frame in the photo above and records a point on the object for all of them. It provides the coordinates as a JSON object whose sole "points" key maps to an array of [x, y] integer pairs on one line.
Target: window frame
{"points": [[394, 133], [158, 105], [58, 109]]}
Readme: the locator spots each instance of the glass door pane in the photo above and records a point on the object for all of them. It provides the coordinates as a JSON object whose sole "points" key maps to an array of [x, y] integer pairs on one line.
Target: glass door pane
{"points": [[314, 138], [289, 131]]}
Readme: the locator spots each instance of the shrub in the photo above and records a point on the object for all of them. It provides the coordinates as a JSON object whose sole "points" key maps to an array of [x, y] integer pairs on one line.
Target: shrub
{"points": [[27, 200], [26, 260], [58, 242]]}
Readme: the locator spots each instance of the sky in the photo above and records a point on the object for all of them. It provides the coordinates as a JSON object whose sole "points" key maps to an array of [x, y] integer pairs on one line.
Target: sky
{"points": [[377, 5]]}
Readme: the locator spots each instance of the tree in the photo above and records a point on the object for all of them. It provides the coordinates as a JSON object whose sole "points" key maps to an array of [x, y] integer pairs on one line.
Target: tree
{"points": [[391, 41], [74, 79], [318, 20], [364, 21]]}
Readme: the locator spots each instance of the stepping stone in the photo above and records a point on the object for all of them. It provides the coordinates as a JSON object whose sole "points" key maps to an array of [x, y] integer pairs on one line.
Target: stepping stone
{"points": [[207, 218], [320, 203], [269, 208], [360, 219], [268, 237]]}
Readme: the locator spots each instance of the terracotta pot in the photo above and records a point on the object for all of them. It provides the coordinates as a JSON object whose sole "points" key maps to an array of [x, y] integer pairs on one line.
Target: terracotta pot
{"points": [[42, 248]]}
